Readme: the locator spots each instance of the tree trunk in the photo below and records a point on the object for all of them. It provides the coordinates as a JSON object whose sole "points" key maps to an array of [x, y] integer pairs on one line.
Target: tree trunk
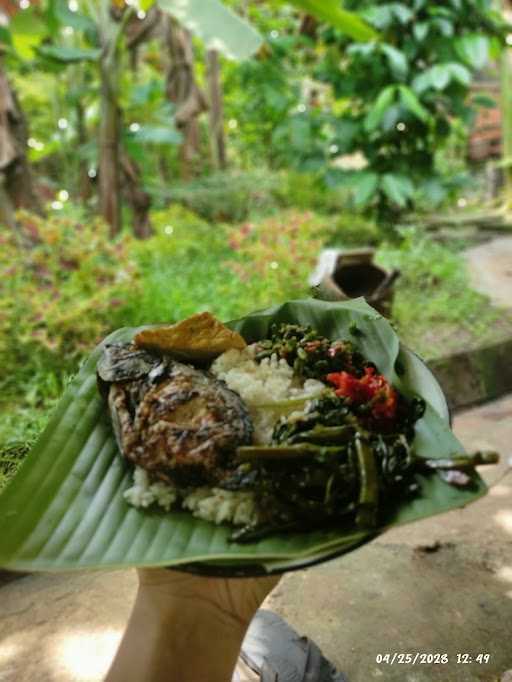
{"points": [[217, 139], [84, 181], [183, 91], [139, 200], [18, 184], [109, 180], [308, 26], [506, 117], [139, 31], [134, 61], [7, 216]]}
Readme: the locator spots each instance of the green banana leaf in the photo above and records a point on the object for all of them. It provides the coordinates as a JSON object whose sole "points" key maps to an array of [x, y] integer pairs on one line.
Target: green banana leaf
{"points": [[216, 25], [65, 509]]}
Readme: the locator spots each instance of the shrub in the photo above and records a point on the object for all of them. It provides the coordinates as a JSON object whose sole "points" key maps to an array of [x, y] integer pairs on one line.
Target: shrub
{"points": [[350, 230], [227, 197], [274, 257], [62, 281], [181, 271], [234, 197], [405, 93], [308, 191]]}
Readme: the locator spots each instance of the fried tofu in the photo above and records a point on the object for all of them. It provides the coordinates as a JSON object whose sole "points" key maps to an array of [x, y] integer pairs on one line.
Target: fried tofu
{"points": [[199, 337]]}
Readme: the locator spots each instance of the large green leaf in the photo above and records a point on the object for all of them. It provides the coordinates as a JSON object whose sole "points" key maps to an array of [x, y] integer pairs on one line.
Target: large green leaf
{"points": [[412, 103], [148, 134], [473, 49], [59, 14], [68, 55], [365, 187], [65, 508], [216, 25], [420, 30], [440, 76], [460, 73], [397, 61], [331, 12], [403, 13], [27, 31], [398, 188], [382, 104], [380, 16]]}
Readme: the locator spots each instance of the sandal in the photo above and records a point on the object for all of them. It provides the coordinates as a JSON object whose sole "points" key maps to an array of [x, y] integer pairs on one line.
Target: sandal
{"points": [[272, 651]]}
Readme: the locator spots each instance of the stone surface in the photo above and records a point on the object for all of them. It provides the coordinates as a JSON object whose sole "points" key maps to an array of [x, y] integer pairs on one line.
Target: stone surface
{"points": [[475, 375], [443, 585], [478, 374], [490, 268]]}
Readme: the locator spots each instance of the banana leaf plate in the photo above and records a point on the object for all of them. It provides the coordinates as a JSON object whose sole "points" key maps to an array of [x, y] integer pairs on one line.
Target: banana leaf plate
{"points": [[65, 510]]}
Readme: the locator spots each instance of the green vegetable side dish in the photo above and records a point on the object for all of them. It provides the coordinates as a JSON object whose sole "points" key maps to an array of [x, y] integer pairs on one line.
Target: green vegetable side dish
{"points": [[65, 508], [348, 457]]}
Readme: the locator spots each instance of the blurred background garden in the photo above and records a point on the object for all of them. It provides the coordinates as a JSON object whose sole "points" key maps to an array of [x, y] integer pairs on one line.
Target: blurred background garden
{"points": [[163, 158]]}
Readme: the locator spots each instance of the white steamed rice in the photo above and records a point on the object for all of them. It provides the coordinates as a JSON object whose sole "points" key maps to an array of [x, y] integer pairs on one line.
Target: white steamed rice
{"points": [[263, 387]]}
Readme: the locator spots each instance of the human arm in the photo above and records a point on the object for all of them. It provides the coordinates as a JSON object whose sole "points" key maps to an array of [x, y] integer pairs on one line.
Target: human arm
{"points": [[187, 628]]}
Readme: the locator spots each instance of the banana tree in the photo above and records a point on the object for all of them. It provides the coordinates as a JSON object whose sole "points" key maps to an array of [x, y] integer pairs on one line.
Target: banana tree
{"points": [[17, 189], [217, 138], [17, 39], [98, 39], [110, 27], [183, 91], [100, 30]]}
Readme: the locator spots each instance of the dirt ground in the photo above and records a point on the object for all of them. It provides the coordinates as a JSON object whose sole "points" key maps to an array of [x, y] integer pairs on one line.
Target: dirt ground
{"points": [[440, 586]]}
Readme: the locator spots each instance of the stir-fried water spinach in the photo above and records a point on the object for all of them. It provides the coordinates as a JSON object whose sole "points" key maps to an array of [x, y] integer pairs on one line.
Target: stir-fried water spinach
{"points": [[348, 456]]}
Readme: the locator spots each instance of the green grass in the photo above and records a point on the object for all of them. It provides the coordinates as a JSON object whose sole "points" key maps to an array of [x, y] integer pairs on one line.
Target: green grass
{"points": [[435, 310], [19, 428]]}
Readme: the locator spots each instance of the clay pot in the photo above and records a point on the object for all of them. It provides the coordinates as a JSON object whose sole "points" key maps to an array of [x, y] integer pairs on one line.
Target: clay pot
{"points": [[344, 274]]}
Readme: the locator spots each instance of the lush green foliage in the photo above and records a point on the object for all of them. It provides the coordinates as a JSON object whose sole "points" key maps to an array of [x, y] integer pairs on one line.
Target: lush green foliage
{"points": [[228, 197], [63, 277], [191, 265], [268, 103], [403, 94], [233, 196], [308, 99], [181, 271]]}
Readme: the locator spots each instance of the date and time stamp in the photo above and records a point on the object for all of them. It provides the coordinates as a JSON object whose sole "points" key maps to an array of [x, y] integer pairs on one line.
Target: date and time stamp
{"points": [[424, 658]]}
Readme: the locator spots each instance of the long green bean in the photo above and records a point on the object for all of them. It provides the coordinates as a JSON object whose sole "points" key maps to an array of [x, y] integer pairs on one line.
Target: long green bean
{"points": [[369, 485]]}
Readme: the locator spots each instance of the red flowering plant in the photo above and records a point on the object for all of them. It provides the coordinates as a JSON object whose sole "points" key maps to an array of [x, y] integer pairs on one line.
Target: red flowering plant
{"points": [[274, 256]]}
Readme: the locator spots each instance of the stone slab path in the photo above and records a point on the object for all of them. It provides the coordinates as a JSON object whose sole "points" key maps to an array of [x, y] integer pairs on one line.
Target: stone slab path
{"points": [[440, 586], [490, 267]]}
